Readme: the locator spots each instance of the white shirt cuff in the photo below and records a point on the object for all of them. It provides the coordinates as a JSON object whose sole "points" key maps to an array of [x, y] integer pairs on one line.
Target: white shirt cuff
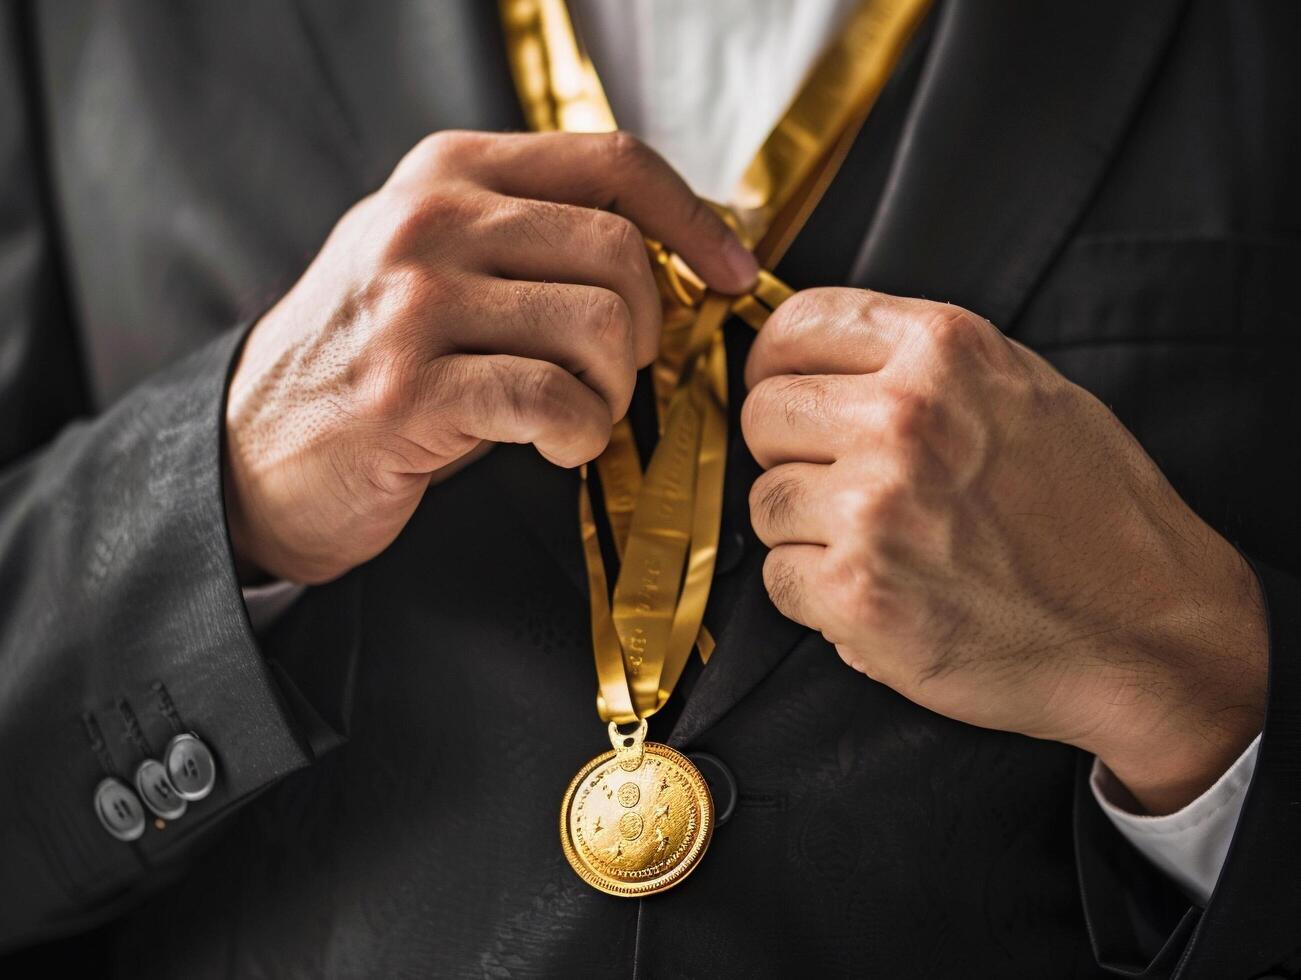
{"points": [[1190, 844], [266, 603]]}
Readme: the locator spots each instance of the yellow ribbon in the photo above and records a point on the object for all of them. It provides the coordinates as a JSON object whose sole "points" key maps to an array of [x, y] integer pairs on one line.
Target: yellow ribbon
{"points": [[665, 524]]}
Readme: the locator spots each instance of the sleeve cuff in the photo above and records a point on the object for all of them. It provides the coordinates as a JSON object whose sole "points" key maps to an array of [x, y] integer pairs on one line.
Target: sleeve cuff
{"points": [[1190, 844], [121, 517]]}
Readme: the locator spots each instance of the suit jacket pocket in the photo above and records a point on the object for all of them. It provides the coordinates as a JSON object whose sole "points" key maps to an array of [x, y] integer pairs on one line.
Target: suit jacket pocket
{"points": [[1212, 290]]}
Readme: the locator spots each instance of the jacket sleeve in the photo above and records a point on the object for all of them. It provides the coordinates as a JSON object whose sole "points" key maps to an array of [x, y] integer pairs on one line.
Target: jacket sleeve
{"points": [[1143, 926], [121, 620]]}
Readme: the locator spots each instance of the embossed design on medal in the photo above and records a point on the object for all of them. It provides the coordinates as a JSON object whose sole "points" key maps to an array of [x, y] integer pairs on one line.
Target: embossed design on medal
{"points": [[636, 820]]}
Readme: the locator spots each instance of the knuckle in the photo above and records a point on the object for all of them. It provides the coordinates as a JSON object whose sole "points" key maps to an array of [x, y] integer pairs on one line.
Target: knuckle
{"points": [[910, 418], [856, 509], [607, 316], [382, 389], [757, 407], [799, 319], [442, 208], [574, 434], [538, 394], [447, 146], [917, 440], [418, 218], [781, 581], [870, 514], [789, 322], [855, 594], [497, 390], [550, 403], [406, 291], [626, 151], [407, 303], [882, 508], [953, 331], [537, 306], [431, 153], [522, 396], [537, 222], [773, 501], [616, 238], [868, 303], [483, 387], [809, 400]]}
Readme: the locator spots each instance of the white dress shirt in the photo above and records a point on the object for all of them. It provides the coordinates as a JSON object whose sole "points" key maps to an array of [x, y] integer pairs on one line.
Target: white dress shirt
{"points": [[702, 82]]}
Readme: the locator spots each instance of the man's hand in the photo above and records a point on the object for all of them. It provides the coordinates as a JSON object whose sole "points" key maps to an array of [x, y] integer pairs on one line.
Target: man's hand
{"points": [[495, 289], [970, 528]]}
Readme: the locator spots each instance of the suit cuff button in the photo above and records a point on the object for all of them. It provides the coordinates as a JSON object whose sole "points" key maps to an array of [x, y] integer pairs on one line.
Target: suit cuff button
{"points": [[190, 767], [119, 809], [156, 790]]}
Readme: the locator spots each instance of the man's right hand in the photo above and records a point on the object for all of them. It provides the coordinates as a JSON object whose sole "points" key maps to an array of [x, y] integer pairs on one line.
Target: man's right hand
{"points": [[495, 289]]}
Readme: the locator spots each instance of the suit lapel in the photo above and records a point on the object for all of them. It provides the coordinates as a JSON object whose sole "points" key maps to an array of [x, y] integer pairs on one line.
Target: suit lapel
{"points": [[1019, 110], [753, 639]]}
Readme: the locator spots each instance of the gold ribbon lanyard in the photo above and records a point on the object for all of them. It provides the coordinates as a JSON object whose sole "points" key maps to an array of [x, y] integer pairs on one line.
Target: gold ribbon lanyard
{"points": [[665, 523]]}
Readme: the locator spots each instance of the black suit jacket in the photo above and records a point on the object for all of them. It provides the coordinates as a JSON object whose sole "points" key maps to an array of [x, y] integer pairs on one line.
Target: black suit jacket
{"points": [[1114, 184]]}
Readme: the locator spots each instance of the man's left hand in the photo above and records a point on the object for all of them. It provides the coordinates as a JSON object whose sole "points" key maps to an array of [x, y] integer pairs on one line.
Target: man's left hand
{"points": [[985, 537]]}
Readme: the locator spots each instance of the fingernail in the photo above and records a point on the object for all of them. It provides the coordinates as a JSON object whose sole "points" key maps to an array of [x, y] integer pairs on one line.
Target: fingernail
{"points": [[740, 263]]}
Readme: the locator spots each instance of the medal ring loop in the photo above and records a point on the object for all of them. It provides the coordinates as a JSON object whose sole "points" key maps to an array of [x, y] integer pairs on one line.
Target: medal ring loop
{"points": [[628, 740]]}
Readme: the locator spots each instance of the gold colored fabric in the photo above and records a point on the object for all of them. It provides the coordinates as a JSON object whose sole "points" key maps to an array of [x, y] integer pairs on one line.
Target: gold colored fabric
{"points": [[788, 175], [620, 470], [557, 85], [665, 523]]}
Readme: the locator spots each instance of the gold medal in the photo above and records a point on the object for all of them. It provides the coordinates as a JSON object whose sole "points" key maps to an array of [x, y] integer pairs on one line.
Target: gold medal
{"points": [[637, 819]]}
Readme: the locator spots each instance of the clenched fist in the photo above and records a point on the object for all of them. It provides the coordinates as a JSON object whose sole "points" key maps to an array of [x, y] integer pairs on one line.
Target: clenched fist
{"points": [[495, 289], [970, 528]]}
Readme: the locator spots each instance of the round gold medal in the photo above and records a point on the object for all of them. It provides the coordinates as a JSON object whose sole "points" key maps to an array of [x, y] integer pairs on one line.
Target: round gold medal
{"points": [[636, 820]]}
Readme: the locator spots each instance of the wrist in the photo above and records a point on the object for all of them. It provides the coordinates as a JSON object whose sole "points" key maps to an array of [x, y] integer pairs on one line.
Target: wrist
{"points": [[1168, 777], [1212, 678], [247, 570]]}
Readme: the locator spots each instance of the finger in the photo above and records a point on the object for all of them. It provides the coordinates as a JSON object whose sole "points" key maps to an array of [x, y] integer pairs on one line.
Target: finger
{"points": [[810, 418], [616, 172], [832, 330], [795, 504], [502, 398], [584, 329], [549, 242], [790, 574]]}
